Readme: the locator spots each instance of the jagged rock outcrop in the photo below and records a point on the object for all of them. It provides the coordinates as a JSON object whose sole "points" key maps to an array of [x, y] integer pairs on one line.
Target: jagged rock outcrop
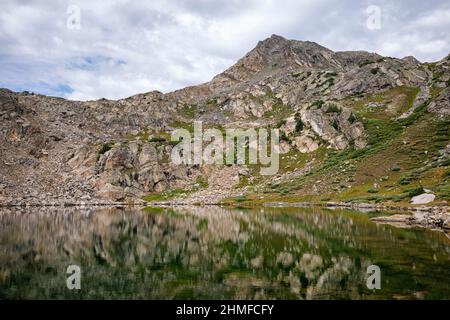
{"points": [[441, 105], [131, 170]]}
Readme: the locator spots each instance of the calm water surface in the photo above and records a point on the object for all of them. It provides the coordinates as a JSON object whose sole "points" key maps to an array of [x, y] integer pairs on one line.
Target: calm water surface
{"points": [[216, 253]]}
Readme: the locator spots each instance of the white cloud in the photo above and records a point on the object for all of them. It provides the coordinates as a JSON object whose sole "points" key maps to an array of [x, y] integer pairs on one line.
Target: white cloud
{"points": [[435, 19], [126, 47]]}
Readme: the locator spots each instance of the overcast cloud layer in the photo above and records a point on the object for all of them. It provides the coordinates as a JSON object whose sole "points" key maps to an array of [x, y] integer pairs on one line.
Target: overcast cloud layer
{"points": [[127, 47]]}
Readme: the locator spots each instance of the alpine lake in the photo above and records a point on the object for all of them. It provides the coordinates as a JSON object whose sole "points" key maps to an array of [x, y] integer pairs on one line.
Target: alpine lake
{"points": [[216, 253]]}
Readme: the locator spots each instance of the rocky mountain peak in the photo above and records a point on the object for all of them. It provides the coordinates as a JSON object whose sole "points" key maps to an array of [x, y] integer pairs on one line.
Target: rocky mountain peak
{"points": [[282, 52], [273, 54], [273, 41], [411, 59]]}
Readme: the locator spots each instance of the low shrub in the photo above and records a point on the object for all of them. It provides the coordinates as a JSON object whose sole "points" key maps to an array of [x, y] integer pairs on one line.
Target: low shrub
{"points": [[106, 147], [318, 104], [157, 139], [374, 70], [415, 192], [332, 108], [298, 123]]}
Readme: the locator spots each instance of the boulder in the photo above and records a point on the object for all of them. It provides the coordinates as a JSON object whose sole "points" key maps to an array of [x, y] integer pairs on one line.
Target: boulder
{"points": [[284, 147], [446, 225], [148, 155], [423, 198], [306, 144]]}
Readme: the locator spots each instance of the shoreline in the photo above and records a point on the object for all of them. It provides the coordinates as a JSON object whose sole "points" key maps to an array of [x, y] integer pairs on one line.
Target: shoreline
{"points": [[274, 204], [429, 217]]}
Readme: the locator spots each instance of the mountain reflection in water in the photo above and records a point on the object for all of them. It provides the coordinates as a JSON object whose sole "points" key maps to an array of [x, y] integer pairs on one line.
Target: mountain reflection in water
{"points": [[216, 253]]}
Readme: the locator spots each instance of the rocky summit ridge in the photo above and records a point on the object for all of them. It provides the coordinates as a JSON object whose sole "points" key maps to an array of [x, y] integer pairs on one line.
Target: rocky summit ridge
{"points": [[355, 126]]}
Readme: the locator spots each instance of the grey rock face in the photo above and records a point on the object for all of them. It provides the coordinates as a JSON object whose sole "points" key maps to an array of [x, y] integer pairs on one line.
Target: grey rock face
{"points": [[441, 105], [130, 170]]}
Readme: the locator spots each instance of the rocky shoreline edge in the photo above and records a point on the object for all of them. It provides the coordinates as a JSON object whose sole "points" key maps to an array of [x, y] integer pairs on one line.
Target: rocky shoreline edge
{"points": [[430, 217], [180, 202]]}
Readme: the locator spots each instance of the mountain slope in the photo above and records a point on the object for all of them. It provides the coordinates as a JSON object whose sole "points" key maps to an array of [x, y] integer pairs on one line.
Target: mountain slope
{"points": [[355, 126]]}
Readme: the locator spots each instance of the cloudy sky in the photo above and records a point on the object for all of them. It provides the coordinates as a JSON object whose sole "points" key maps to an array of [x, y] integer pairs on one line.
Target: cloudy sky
{"points": [[115, 49]]}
